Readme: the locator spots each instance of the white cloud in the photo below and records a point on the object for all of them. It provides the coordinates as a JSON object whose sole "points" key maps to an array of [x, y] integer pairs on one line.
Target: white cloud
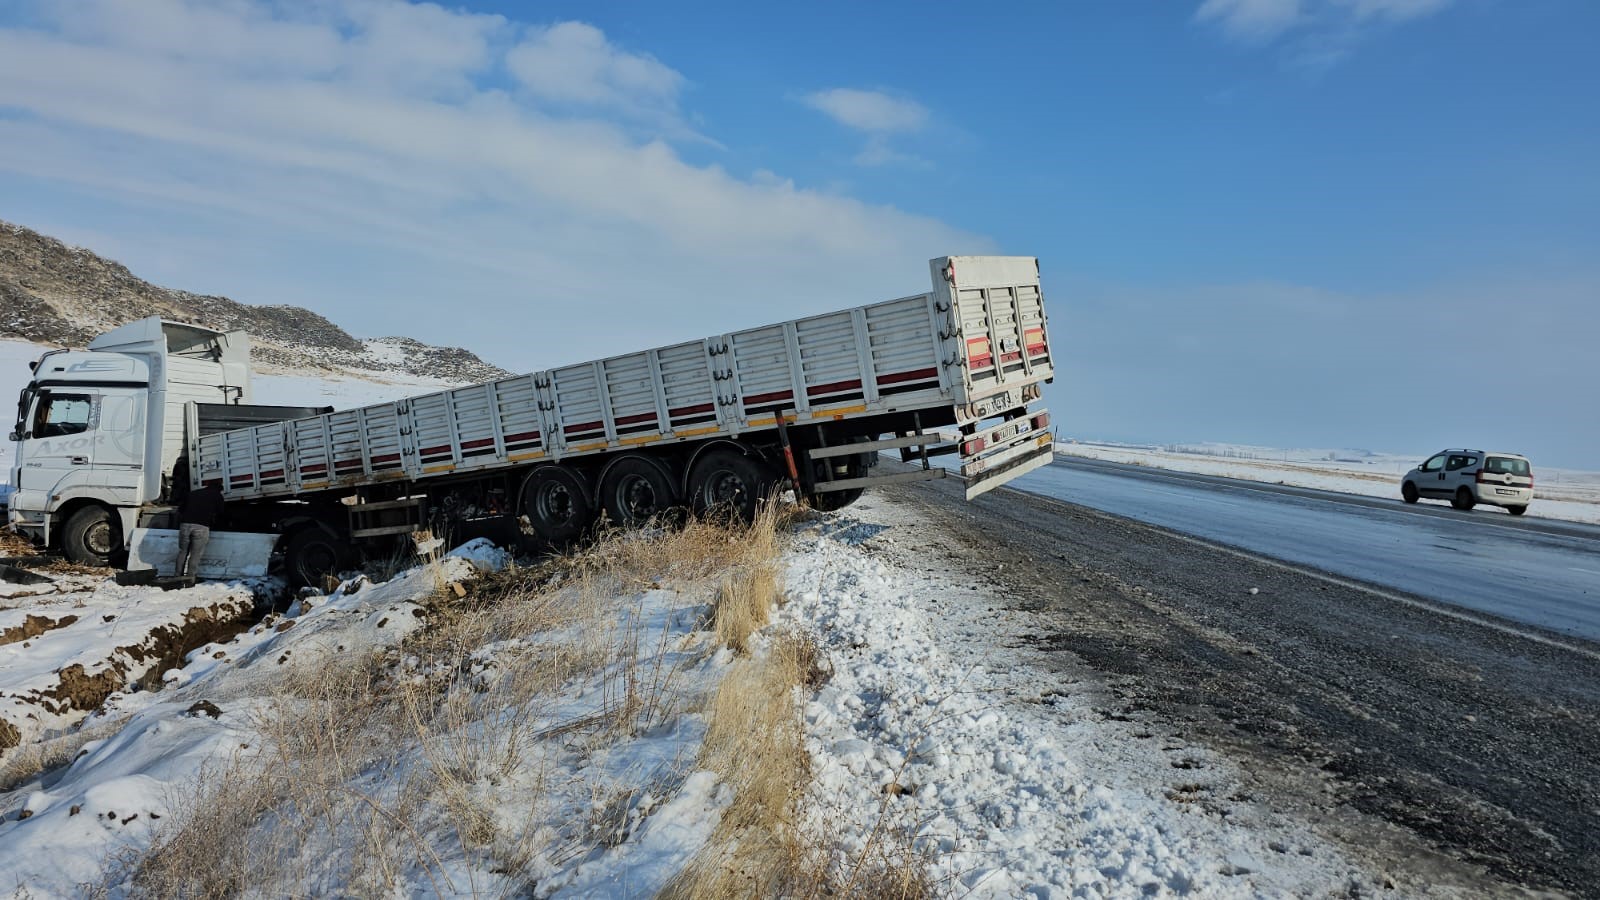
{"points": [[1393, 10], [280, 132], [1251, 20], [875, 112], [1329, 28], [572, 62]]}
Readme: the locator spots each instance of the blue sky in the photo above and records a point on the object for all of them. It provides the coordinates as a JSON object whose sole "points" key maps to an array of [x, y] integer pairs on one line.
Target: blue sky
{"points": [[1294, 222]]}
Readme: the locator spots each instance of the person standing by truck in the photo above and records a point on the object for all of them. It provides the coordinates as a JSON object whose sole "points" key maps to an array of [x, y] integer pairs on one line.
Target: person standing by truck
{"points": [[197, 513]]}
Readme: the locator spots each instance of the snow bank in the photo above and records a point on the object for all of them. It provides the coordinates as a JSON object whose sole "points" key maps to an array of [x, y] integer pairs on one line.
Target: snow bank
{"points": [[66, 652], [998, 766]]}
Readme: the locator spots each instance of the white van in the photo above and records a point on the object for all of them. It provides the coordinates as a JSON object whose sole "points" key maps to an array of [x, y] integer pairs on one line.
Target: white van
{"points": [[1469, 477]]}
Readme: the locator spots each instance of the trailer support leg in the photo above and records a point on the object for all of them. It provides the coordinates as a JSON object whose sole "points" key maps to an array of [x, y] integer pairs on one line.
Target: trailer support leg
{"points": [[788, 457]]}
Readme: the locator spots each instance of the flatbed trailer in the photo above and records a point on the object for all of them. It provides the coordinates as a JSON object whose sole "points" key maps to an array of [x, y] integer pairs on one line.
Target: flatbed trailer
{"points": [[807, 404], [809, 401]]}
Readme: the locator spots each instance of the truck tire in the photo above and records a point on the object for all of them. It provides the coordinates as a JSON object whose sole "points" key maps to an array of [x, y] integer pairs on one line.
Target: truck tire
{"points": [[312, 554], [93, 536], [854, 466], [556, 502], [730, 482], [828, 501], [635, 490]]}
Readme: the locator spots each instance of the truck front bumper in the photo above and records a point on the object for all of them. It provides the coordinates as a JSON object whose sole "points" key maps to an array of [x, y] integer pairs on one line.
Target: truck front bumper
{"points": [[26, 519]]}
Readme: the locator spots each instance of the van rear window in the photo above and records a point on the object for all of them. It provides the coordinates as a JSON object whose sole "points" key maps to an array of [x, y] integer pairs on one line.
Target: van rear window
{"points": [[1501, 465]]}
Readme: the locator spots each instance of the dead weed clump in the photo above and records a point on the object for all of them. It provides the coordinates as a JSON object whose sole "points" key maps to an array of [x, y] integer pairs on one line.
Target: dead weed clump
{"points": [[755, 743], [370, 768]]}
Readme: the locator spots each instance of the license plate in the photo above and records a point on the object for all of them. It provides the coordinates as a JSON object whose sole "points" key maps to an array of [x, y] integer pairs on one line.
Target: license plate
{"points": [[1007, 432], [1503, 491]]}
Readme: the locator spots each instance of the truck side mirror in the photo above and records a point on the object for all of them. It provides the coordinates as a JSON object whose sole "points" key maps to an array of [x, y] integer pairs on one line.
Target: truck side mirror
{"points": [[15, 436]]}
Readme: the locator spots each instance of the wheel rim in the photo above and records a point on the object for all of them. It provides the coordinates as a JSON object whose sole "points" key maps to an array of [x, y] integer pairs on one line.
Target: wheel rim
{"points": [[317, 558], [97, 537], [556, 503], [638, 497], [725, 487]]}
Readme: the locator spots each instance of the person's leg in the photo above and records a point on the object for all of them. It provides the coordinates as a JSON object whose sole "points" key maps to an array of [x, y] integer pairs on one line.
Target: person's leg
{"points": [[185, 535], [197, 549]]}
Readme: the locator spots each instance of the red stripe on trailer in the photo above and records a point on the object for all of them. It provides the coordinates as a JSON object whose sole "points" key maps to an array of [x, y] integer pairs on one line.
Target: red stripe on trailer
{"points": [[586, 426], [634, 420], [347, 464], [481, 442], [767, 397], [314, 469], [981, 362], [272, 473], [918, 375], [212, 482], [524, 436], [386, 458], [241, 479], [834, 387], [695, 410], [1011, 357], [430, 451]]}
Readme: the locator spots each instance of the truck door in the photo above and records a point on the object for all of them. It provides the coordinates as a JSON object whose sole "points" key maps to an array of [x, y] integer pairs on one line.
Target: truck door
{"points": [[59, 439]]}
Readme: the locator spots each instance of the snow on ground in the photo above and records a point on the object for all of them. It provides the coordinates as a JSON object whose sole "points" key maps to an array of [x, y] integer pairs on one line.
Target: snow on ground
{"points": [[613, 818], [1012, 783], [62, 652], [1569, 494], [1005, 776]]}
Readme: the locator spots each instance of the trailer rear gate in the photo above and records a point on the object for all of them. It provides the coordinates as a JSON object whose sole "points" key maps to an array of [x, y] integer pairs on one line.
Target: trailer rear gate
{"points": [[976, 345]]}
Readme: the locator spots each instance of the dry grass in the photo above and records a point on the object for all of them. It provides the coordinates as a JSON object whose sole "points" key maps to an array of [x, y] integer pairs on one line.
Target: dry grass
{"points": [[756, 744], [372, 766], [28, 761]]}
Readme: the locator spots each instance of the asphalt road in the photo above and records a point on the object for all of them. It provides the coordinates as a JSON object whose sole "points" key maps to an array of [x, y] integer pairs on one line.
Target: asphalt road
{"points": [[1544, 573], [1473, 741]]}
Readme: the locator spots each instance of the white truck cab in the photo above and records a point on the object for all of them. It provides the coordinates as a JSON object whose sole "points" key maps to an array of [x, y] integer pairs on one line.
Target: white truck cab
{"points": [[99, 430]]}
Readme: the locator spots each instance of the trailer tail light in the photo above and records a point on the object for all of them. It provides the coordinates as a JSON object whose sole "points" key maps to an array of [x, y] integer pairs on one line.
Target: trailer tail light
{"points": [[1042, 420], [975, 445]]}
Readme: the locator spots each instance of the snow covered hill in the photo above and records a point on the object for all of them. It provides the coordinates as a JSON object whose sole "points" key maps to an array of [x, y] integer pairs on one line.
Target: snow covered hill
{"points": [[57, 294]]}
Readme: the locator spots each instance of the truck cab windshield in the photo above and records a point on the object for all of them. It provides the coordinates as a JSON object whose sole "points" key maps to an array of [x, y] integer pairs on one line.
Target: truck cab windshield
{"points": [[60, 415]]}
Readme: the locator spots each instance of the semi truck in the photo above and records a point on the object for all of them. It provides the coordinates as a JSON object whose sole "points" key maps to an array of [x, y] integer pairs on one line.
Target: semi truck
{"points": [[108, 438]]}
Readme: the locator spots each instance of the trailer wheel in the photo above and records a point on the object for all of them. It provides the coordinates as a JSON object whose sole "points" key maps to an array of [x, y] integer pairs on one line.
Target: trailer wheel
{"points": [[635, 490], [828, 501], [311, 554], [729, 480], [556, 501], [93, 536]]}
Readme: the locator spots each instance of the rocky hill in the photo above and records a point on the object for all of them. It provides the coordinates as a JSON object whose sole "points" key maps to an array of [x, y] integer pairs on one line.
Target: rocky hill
{"points": [[51, 293]]}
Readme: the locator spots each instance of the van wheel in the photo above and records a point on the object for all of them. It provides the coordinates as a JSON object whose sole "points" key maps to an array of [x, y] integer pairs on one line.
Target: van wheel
{"points": [[93, 536], [1408, 492], [1516, 510], [313, 554], [729, 480], [1464, 499], [635, 490], [556, 501]]}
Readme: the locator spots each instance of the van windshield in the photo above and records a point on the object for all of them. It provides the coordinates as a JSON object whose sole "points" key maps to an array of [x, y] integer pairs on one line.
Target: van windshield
{"points": [[1502, 465]]}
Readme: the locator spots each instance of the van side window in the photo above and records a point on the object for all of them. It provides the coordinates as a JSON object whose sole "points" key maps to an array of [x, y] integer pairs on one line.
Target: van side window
{"points": [[1458, 462], [60, 415], [1434, 464]]}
